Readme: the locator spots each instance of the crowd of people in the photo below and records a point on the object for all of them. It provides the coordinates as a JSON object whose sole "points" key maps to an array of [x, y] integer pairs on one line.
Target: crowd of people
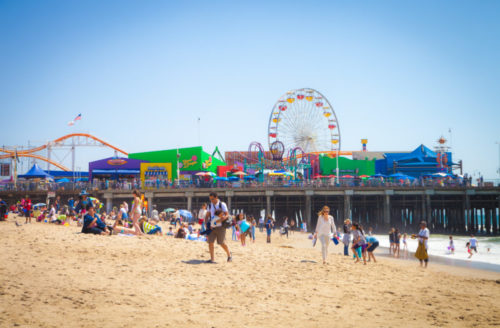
{"points": [[214, 220]]}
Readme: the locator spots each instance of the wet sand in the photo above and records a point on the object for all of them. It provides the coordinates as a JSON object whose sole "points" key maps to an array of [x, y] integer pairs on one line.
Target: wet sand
{"points": [[52, 276]]}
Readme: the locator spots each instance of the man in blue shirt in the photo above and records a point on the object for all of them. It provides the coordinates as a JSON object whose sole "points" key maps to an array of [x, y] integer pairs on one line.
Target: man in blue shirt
{"points": [[92, 223], [372, 244]]}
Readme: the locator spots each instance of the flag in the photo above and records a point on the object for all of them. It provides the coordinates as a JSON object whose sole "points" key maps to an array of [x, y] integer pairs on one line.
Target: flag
{"points": [[77, 118]]}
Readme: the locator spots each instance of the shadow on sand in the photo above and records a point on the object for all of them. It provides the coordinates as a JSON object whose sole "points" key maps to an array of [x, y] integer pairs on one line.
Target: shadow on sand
{"points": [[194, 262]]}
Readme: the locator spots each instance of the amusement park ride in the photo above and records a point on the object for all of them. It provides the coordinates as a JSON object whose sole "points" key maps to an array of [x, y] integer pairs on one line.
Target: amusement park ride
{"points": [[70, 141], [302, 124]]}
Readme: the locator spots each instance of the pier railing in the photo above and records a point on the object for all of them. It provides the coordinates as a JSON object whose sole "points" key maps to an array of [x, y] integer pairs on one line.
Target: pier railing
{"points": [[164, 185]]}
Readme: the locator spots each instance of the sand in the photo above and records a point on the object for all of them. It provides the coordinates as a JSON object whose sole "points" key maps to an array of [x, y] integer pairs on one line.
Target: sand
{"points": [[51, 276]]}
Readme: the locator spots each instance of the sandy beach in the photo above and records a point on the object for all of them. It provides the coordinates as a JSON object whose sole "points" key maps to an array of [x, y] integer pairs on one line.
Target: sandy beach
{"points": [[52, 276]]}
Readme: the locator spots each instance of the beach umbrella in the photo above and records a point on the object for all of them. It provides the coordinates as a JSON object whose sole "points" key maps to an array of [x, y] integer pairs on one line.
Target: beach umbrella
{"points": [[378, 175], [249, 177], [201, 174], [186, 214], [169, 210], [221, 179], [347, 176], [401, 176], [239, 173], [210, 174], [37, 206], [233, 178], [62, 180]]}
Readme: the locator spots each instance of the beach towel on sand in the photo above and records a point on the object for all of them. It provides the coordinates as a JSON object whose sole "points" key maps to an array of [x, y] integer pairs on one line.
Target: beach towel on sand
{"points": [[421, 252]]}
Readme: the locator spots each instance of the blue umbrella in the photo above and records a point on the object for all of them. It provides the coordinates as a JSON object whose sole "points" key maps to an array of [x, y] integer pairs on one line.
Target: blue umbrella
{"points": [[186, 214], [378, 175], [62, 180], [401, 176], [221, 179], [249, 177], [233, 178]]}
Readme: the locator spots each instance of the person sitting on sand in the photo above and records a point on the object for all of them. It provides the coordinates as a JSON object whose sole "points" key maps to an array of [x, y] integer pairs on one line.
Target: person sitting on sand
{"points": [[149, 228], [181, 233], [119, 226], [170, 232], [92, 223]]}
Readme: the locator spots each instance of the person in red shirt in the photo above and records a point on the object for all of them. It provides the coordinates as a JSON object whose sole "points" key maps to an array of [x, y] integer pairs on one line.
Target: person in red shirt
{"points": [[27, 209]]}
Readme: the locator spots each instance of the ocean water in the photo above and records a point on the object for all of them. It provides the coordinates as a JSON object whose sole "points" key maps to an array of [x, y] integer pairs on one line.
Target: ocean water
{"points": [[438, 246]]}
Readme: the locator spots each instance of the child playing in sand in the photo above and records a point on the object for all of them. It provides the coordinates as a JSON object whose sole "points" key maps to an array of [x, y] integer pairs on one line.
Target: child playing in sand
{"points": [[451, 247], [469, 250], [170, 231]]}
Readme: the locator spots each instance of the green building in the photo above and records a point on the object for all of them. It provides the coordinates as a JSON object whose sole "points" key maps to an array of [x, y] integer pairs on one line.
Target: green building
{"points": [[328, 166], [191, 160]]}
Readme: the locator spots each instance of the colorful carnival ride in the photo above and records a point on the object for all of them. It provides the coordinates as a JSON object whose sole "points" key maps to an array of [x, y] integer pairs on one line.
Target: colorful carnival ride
{"points": [[302, 125]]}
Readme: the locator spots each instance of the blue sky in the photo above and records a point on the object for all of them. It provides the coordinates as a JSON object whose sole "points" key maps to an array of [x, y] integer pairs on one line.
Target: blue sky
{"points": [[399, 73]]}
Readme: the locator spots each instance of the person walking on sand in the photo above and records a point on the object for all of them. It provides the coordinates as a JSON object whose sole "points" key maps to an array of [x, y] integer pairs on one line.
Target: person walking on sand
{"points": [[324, 228], [202, 214], [423, 237], [346, 237], [469, 250], [397, 242], [451, 247], [217, 214], [269, 228], [136, 212], [405, 245]]}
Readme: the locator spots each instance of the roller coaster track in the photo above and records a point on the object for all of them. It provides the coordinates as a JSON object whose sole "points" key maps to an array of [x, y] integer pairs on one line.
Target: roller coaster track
{"points": [[57, 142], [62, 167]]}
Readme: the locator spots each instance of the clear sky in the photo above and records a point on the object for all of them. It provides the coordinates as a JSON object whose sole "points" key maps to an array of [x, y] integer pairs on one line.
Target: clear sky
{"points": [[399, 73]]}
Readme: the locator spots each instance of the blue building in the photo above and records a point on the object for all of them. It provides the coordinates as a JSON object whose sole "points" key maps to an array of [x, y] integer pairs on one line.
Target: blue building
{"points": [[421, 161]]}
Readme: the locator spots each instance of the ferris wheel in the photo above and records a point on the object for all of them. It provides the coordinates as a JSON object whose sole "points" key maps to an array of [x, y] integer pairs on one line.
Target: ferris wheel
{"points": [[304, 118]]}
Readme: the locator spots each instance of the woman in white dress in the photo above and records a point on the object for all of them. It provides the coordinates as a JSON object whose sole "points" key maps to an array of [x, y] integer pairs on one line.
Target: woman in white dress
{"points": [[324, 228]]}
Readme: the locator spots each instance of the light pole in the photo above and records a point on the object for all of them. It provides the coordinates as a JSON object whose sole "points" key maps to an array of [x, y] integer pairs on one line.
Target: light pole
{"points": [[178, 170]]}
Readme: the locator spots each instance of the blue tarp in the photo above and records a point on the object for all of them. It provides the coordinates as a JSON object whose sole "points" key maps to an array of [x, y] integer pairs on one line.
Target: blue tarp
{"points": [[36, 172]]}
